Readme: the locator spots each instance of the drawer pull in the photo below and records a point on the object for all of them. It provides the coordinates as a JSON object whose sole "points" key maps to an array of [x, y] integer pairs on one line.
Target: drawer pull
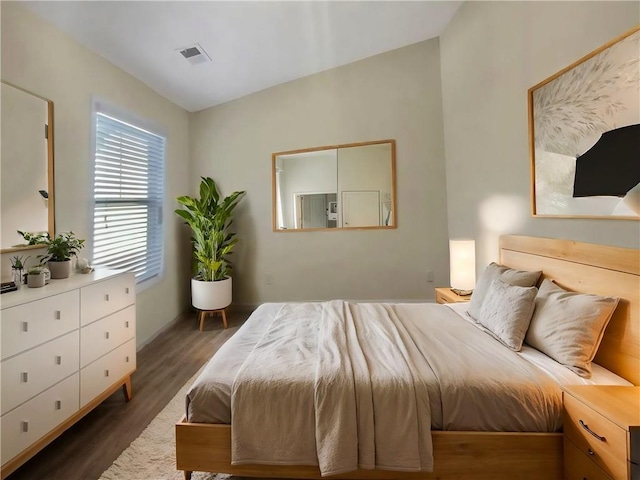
{"points": [[590, 452], [586, 427], [126, 290], [25, 377], [58, 315], [25, 426], [58, 359], [25, 326], [106, 297], [106, 335], [58, 405], [106, 373], [126, 359], [126, 324]]}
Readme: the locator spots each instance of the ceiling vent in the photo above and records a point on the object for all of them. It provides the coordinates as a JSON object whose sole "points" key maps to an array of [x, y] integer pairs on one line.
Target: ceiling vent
{"points": [[194, 54]]}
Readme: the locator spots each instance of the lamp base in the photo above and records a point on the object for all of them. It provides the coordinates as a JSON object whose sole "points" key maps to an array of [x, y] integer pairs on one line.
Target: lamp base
{"points": [[462, 293]]}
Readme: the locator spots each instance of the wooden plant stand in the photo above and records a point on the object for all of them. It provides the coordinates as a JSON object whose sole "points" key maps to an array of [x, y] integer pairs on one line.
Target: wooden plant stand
{"points": [[203, 314]]}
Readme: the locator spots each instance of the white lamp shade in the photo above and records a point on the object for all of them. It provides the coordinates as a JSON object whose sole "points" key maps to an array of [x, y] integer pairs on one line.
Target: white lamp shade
{"points": [[462, 258]]}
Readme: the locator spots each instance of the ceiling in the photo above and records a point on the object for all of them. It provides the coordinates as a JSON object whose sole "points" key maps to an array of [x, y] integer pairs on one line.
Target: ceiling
{"points": [[253, 45]]}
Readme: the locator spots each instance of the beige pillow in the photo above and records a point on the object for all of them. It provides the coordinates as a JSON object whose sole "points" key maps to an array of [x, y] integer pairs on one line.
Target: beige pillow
{"points": [[568, 326], [508, 275], [506, 312]]}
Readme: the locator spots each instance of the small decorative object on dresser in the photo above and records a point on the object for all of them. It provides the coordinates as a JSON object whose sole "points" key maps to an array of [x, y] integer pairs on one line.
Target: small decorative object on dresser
{"points": [[17, 267], [446, 295], [601, 432], [64, 349], [35, 277]]}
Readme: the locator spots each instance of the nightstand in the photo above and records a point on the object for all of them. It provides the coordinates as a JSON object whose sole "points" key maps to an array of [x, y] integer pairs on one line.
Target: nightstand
{"points": [[601, 432], [445, 295]]}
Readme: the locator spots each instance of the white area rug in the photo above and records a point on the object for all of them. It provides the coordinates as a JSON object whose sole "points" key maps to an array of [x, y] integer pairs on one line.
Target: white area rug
{"points": [[152, 455]]}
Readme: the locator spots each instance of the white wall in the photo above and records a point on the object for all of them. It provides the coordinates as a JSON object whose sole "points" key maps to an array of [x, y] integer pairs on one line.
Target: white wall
{"points": [[393, 95], [40, 58], [491, 54]]}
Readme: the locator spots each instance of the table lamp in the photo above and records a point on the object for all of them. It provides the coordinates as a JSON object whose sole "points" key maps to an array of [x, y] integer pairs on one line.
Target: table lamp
{"points": [[462, 261]]}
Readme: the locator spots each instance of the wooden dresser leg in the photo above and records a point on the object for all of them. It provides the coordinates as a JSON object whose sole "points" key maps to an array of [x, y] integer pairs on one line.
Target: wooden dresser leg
{"points": [[202, 314], [126, 389], [224, 317], [187, 475]]}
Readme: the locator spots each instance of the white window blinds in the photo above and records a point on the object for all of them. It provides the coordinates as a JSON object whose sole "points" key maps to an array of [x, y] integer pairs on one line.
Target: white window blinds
{"points": [[128, 191]]}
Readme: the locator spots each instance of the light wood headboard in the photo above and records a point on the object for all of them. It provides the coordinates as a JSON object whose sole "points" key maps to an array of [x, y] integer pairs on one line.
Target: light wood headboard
{"points": [[590, 268]]}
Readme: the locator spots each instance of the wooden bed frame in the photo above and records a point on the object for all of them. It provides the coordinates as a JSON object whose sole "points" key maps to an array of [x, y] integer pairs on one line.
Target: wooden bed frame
{"points": [[576, 266]]}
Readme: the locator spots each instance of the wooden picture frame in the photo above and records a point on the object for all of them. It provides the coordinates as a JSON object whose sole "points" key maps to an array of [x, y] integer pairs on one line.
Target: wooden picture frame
{"points": [[582, 124]]}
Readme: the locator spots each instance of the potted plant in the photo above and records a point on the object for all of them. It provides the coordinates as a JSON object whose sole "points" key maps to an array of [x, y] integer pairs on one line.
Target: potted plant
{"points": [[35, 277], [17, 265], [209, 218], [60, 249]]}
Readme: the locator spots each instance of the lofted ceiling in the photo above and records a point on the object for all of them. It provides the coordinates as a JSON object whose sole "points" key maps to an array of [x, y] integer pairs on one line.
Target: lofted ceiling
{"points": [[252, 45]]}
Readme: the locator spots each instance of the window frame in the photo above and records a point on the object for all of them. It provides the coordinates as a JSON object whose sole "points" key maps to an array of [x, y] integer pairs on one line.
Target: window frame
{"points": [[99, 105]]}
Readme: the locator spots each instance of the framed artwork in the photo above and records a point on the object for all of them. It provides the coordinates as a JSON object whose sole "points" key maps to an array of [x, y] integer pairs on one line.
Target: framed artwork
{"points": [[584, 135]]}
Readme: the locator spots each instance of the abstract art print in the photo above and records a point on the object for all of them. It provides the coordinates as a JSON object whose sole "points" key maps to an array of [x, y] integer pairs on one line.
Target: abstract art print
{"points": [[584, 129]]}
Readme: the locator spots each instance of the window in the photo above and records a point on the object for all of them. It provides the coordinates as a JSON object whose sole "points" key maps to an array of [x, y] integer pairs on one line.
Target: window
{"points": [[127, 190]]}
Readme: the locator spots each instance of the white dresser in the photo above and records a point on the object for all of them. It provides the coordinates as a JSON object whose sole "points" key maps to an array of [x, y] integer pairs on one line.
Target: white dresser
{"points": [[65, 347]]}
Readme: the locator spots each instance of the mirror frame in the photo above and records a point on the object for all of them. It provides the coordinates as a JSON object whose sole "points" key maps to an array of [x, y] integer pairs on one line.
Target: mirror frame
{"points": [[50, 171], [274, 220]]}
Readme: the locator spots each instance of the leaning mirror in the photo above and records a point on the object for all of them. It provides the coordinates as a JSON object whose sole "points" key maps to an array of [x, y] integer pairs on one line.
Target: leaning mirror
{"points": [[334, 187], [26, 164]]}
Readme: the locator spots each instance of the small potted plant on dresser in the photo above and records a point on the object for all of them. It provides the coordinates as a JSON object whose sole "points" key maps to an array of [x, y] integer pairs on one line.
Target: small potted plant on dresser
{"points": [[35, 277], [209, 218], [60, 249], [17, 266]]}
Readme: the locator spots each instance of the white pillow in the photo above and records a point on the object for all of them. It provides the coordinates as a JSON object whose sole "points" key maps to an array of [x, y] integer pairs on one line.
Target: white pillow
{"points": [[569, 326], [506, 312], [508, 275]]}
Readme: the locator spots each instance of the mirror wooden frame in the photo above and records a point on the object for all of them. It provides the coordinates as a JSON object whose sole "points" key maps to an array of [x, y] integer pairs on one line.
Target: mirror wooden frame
{"points": [[275, 155], [50, 171]]}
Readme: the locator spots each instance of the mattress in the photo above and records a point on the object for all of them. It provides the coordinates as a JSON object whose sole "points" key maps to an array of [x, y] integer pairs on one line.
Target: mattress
{"points": [[528, 396]]}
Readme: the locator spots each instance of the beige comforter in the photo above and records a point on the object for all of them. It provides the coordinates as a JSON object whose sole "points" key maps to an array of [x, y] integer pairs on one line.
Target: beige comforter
{"points": [[335, 385]]}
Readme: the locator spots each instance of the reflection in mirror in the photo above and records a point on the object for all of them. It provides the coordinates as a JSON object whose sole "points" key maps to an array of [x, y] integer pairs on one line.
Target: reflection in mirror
{"points": [[26, 162], [338, 186]]}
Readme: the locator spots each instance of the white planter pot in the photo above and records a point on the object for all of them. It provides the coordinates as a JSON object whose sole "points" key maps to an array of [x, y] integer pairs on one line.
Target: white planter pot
{"points": [[211, 295], [60, 269]]}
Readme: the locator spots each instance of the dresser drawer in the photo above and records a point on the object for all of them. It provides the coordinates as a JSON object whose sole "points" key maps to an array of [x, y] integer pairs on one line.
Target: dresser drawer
{"points": [[29, 373], [34, 419], [609, 452], [578, 466], [101, 374], [106, 297], [31, 324], [106, 334]]}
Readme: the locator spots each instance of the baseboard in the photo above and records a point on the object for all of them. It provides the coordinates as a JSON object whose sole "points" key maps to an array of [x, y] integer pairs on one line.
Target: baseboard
{"points": [[165, 327]]}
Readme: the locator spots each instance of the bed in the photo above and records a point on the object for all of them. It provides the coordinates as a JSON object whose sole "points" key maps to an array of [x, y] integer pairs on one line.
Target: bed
{"points": [[463, 450]]}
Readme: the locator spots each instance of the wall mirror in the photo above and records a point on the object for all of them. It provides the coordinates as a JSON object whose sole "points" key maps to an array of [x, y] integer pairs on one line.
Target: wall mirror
{"points": [[26, 162], [335, 187]]}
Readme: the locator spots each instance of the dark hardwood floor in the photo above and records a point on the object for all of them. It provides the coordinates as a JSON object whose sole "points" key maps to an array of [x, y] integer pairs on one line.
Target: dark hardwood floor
{"points": [[164, 365]]}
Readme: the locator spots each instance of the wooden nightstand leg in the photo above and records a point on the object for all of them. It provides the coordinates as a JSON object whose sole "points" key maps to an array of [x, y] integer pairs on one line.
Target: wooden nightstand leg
{"points": [[224, 317], [187, 475]]}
